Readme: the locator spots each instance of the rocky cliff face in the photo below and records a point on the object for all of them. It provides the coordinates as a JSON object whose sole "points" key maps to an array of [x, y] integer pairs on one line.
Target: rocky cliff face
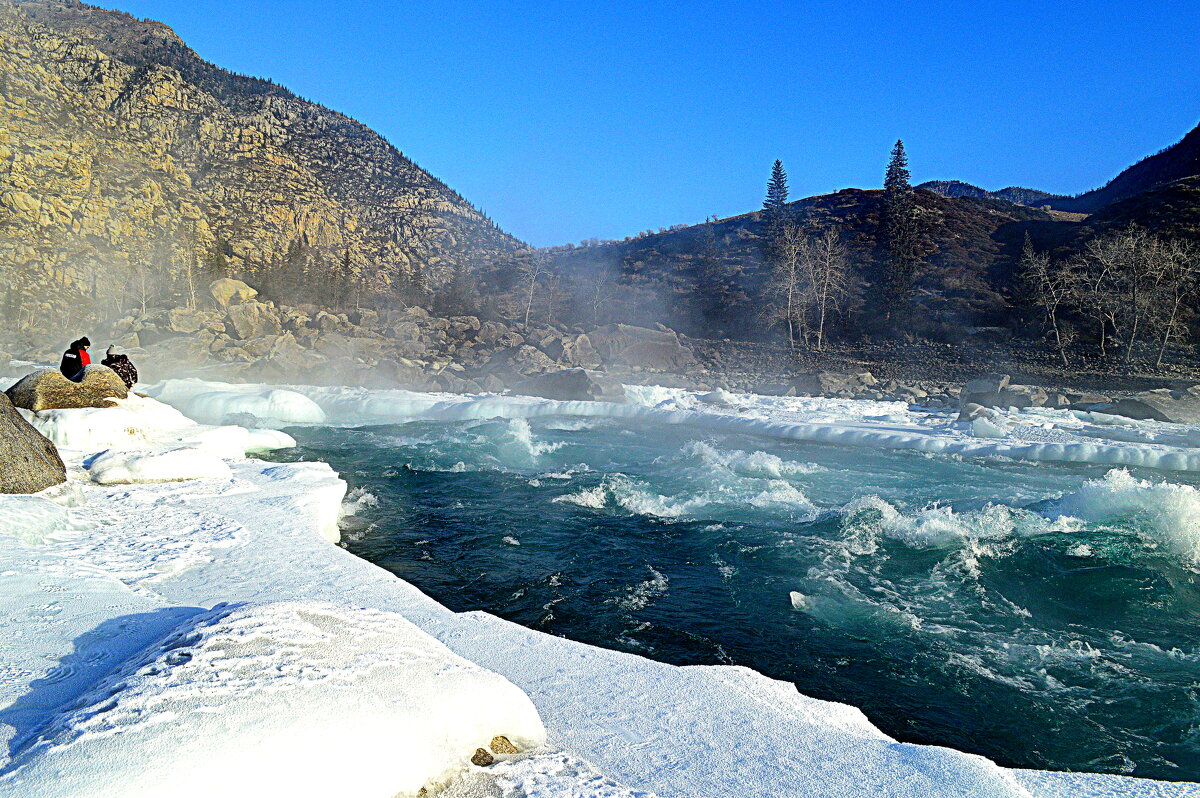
{"points": [[132, 171]]}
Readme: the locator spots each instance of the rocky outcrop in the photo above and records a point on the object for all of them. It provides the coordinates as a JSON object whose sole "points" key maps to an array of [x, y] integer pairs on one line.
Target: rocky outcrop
{"points": [[626, 345], [48, 389], [28, 461], [573, 385], [131, 166]]}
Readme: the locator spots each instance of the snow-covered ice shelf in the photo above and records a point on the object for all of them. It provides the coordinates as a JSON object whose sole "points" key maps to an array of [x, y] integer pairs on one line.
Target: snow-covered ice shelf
{"points": [[202, 636]]}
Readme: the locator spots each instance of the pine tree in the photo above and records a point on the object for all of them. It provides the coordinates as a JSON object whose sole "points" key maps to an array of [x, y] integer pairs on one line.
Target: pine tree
{"points": [[777, 190], [775, 212], [901, 232]]}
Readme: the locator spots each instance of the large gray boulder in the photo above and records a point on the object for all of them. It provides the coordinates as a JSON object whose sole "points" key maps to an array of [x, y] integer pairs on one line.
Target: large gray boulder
{"points": [[627, 345], [573, 385], [575, 351], [48, 389], [253, 319], [226, 292], [834, 383], [1179, 407], [998, 390], [28, 461]]}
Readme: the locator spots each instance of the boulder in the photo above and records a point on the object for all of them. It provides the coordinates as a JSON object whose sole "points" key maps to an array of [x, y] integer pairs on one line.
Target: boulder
{"points": [[640, 346], [253, 319], [28, 461], [182, 320], [48, 389], [524, 359], [226, 292], [575, 351], [998, 390], [573, 385], [495, 334], [1178, 407], [834, 383], [987, 383]]}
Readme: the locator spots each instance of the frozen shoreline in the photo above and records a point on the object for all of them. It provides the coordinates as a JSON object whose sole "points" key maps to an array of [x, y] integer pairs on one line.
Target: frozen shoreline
{"points": [[616, 724]]}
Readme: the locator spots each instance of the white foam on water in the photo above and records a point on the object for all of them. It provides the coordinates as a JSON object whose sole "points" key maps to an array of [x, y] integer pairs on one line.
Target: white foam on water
{"points": [[1167, 514], [751, 464], [640, 595]]}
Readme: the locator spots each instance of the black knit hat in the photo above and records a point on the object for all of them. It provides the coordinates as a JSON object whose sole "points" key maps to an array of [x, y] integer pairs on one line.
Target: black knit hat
{"points": [[84, 341]]}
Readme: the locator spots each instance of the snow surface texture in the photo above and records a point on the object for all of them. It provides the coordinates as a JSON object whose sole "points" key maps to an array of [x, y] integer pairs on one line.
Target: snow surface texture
{"points": [[262, 699], [103, 597], [1036, 434], [169, 466]]}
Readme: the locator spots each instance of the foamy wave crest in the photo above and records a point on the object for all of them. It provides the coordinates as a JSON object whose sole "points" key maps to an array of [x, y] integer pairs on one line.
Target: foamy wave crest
{"points": [[751, 464], [637, 498], [1166, 513], [939, 526], [521, 434], [357, 500]]}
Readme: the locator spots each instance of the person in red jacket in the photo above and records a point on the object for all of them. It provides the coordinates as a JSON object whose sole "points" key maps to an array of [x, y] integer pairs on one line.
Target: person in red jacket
{"points": [[76, 360]]}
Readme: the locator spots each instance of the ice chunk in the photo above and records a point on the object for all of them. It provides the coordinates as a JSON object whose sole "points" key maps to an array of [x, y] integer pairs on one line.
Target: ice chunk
{"points": [[293, 698]]}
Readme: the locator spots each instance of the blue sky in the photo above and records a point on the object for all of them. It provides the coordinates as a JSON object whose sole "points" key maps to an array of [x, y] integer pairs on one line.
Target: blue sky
{"points": [[568, 120]]}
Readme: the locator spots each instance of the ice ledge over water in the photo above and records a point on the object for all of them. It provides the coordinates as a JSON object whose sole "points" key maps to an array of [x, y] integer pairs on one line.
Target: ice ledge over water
{"points": [[1036, 434], [103, 603]]}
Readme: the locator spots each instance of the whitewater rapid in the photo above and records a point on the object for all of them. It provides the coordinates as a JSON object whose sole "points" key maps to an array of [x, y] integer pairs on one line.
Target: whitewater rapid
{"points": [[122, 575]]}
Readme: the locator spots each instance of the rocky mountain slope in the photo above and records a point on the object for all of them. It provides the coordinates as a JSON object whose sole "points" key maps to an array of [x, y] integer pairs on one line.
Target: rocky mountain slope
{"points": [[132, 171]]}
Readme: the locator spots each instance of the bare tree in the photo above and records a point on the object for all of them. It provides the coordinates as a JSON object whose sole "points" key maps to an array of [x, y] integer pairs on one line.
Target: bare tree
{"points": [[788, 280], [1177, 273], [530, 268], [1053, 285], [825, 262]]}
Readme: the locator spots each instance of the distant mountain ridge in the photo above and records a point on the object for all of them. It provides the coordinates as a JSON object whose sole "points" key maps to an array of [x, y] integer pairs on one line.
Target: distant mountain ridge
{"points": [[1017, 195], [1177, 162]]}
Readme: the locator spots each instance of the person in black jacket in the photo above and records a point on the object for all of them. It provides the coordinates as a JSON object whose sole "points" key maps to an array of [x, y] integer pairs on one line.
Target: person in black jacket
{"points": [[121, 364], [76, 360]]}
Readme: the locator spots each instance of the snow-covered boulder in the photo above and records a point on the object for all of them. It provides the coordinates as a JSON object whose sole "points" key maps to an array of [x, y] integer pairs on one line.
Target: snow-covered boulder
{"points": [[292, 698], [28, 461], [48, 389]]}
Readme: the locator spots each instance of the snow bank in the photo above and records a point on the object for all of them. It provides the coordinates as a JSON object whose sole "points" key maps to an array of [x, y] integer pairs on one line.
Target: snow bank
{"points": [[293, 698], [138, 423], [114, 467]]}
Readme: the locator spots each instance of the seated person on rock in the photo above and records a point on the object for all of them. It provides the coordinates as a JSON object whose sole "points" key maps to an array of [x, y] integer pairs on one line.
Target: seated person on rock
{"points": [[120, 363], [76, 360]]}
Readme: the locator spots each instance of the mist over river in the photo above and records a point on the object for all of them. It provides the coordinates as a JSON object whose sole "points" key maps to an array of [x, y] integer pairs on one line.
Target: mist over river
{"points": [[1041, 614]]}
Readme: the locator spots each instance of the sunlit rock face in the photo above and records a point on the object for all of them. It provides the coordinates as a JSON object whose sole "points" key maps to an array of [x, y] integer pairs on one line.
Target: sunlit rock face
{"points": [[122, 152]]}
